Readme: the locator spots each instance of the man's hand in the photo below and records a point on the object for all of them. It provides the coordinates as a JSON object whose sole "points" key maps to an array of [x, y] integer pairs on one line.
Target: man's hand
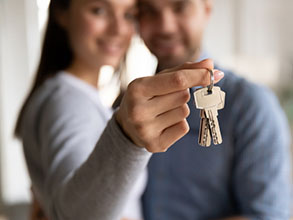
{"points": [[154, 109]]}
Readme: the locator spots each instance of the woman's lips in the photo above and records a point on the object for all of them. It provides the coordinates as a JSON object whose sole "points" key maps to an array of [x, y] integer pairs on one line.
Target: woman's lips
{"points": [[111, 47]]}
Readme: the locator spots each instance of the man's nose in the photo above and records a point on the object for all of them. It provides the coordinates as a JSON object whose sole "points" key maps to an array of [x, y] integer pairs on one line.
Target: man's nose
{"points": [[167, 22]]}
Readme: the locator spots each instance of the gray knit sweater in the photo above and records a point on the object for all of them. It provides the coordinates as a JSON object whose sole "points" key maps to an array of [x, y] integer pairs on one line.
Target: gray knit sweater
{"points": [[81, 164]]}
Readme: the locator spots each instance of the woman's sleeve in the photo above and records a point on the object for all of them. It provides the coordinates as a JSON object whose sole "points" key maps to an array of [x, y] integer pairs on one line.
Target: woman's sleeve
{"points": [[82, 182]]}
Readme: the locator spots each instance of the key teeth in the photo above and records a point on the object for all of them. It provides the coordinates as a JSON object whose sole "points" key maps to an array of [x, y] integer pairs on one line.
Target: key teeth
{"points": [[209, 128], [204, 134], [204, 145]]}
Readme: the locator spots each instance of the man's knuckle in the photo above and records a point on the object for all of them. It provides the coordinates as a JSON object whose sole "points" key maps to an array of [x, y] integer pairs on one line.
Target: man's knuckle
{"points": [[151, 147], [185, 110], [185, 95], [136, 87], [179, 79], [131, 86], [140, 129], [134, 112], [164, 148], [184, 127]]}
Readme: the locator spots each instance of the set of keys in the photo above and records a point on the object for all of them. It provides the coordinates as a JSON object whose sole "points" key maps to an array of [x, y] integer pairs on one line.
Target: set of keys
{"points": [[209, 100]]}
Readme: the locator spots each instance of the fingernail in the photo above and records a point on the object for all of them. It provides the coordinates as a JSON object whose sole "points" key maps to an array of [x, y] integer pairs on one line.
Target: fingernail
{"points": [[218, 74]]}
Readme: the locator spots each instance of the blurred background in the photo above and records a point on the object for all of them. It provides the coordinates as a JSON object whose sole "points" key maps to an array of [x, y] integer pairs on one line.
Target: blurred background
{"points": [[254, 38]]}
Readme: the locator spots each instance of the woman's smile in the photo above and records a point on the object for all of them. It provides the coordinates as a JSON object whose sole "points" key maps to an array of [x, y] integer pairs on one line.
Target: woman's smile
{"points": [[113, 48]]}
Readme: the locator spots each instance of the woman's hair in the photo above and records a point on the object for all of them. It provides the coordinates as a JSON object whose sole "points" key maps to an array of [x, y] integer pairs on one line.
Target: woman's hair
{"points": [[56, 54]]}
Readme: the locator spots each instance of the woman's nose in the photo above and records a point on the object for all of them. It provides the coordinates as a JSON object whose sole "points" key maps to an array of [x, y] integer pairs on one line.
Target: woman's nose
{"points": [[119, 26]]}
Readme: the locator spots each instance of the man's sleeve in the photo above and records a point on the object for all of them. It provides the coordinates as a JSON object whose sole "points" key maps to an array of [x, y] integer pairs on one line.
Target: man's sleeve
{"points": [[262, 174]]}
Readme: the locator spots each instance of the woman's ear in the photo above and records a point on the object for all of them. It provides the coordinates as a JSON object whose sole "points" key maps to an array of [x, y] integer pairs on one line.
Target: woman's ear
{"points": [[62, 18]]}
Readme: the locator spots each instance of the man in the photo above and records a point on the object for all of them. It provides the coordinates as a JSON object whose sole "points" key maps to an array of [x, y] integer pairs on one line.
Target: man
{"points": [[248, 175]]}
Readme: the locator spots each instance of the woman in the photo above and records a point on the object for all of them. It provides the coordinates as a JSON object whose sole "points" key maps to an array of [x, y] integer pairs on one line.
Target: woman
{"points": [[83, 161], [81, 37]]}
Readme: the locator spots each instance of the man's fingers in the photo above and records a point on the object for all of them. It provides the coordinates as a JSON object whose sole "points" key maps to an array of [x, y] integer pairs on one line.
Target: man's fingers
{"points": [[182, 79], [204, 64], [173, 134], [160, 104], [171, 118]]}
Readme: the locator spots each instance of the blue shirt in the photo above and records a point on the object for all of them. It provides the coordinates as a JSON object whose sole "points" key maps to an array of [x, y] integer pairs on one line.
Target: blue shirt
{"points": [[247, 175]]}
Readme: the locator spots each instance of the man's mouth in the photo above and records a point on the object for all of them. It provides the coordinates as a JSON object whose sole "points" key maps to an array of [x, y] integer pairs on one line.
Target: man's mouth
{"points": [[166, 45]]}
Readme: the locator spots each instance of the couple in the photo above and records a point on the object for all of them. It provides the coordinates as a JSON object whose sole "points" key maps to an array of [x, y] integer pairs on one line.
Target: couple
{"points": [[84, 158]]}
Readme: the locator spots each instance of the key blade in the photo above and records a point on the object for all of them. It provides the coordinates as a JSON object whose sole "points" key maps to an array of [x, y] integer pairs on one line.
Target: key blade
{"points": [[204, 138], [214, 126]]}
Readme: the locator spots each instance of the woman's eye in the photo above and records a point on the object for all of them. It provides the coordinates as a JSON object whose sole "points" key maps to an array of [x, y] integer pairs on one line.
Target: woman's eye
{"points": [[98, 10]]}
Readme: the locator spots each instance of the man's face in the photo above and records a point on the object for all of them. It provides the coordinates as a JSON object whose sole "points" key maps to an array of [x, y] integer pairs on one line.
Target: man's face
{"points": [[173, 29]]}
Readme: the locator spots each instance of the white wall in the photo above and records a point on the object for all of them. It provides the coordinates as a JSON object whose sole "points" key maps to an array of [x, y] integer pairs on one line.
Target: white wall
{"points": [[19, 44], [287, 41], [246, 36]]}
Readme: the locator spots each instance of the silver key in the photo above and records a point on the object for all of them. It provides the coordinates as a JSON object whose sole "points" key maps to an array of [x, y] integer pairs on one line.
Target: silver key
{"points": [[204, 138], [210, 102], [212, 116]]}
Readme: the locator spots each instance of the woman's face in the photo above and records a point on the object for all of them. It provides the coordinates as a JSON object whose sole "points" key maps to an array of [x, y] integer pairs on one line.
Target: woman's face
{"points": [[99, 31]]}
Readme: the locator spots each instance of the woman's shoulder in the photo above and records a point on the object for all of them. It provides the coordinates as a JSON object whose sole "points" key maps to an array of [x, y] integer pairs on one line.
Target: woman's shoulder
{"points": [[57, 91], [56, 98]]}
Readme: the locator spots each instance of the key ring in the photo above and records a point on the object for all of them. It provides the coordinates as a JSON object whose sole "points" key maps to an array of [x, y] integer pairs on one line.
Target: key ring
{"points": [[210, 87]]}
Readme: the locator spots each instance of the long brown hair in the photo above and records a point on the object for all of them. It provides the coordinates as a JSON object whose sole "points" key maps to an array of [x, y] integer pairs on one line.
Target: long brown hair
{"points": [[56, 54]]}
